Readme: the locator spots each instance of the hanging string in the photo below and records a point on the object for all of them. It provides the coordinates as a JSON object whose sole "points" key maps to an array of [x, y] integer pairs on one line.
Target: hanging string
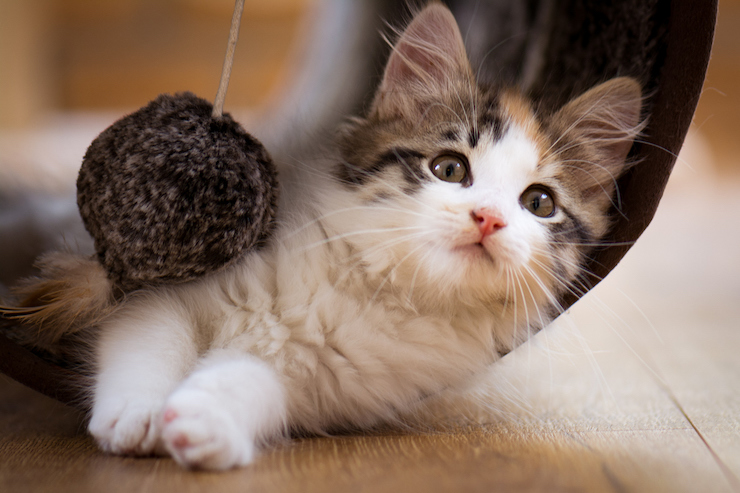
{"points": [[218, 104]]}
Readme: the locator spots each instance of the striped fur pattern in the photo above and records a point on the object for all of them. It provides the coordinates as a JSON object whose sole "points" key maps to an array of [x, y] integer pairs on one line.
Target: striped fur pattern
{"points": [[72, 294], [432, 239]]}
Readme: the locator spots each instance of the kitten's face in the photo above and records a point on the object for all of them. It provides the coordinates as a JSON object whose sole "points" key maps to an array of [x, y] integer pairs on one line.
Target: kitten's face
{"points": [[467, 193], [462, 201]]}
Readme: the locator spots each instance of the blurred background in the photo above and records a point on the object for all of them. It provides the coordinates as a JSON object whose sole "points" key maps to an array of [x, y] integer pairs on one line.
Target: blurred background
{"points": [[69, 68], [91, 61], [84, 55]]}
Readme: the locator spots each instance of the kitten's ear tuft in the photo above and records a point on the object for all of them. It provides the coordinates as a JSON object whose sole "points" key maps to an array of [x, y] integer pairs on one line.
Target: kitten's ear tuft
{"points": [[428, 57], [602, 123]]}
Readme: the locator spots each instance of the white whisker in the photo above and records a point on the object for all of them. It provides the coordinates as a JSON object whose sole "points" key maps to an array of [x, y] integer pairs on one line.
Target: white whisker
{"points": [[357, 233]]}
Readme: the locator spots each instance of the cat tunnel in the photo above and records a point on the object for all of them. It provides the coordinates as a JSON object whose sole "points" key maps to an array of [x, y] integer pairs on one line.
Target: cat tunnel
{"points": [[552, 49]]}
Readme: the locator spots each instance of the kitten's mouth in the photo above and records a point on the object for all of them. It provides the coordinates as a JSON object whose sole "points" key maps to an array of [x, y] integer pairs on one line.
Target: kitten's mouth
{"points": [[475, 251]]}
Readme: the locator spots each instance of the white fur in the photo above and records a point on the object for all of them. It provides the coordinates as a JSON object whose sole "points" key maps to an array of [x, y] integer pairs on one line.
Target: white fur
{"points": [[214, 418], [336, 324]]}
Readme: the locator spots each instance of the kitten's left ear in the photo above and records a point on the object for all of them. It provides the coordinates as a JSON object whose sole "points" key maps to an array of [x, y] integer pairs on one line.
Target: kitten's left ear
{"points": [[599, 126], [429, 57]]}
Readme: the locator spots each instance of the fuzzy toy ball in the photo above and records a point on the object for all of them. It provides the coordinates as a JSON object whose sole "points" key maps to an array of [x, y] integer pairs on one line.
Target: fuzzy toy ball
{"points": [[177, 189], [171, 192]]}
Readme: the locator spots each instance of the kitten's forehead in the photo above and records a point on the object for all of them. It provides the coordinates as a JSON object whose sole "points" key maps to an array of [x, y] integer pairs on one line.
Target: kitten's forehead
{"points": [[509, 159], [488, 113], [510, 147]]}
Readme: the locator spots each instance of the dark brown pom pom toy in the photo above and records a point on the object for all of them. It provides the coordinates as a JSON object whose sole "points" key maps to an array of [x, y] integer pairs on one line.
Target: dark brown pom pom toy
{"points": [[170, 192]]}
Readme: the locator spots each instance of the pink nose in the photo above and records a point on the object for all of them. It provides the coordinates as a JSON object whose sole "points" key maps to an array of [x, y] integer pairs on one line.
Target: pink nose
{"points": [[488, 221]]}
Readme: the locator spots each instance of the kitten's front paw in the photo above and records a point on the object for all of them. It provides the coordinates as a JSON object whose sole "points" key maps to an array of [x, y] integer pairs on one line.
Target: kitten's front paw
{"points": [[199, 433], [126, 426]]}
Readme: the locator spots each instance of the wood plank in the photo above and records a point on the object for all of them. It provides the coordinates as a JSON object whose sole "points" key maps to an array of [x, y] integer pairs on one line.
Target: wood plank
{"points": [[41, 450], [700, 317], [691, 291]]}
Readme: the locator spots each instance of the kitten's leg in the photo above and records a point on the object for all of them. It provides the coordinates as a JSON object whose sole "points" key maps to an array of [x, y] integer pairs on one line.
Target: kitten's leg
{"points": [[142, 355], [214, 419]]}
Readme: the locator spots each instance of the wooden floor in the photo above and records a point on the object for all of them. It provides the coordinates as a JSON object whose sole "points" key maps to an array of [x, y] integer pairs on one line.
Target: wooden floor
{"points": [[636, 389]]}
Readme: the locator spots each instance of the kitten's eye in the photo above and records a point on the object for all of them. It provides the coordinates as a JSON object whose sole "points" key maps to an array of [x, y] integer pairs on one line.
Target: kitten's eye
{"points": [[450, 167], [538, 200]]}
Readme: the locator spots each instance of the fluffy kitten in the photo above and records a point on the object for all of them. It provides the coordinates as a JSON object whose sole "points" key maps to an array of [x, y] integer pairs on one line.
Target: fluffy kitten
{"points": [[436, 236]]}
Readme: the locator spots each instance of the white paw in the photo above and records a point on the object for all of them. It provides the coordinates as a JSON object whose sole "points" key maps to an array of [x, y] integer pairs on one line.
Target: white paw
{"points": [[199, 433], [125, 426]]}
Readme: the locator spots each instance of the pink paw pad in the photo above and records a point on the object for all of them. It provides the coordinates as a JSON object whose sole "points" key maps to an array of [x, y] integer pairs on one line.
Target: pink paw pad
{"points": [[181, 441], [169, 415]]}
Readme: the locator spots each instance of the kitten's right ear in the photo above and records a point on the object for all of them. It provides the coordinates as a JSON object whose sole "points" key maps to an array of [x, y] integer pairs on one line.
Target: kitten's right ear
{"points": [[429, 57]]}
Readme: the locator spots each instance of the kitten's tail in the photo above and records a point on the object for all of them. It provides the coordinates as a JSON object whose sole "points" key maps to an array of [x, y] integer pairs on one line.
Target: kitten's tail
{"points": [[71, 293]]}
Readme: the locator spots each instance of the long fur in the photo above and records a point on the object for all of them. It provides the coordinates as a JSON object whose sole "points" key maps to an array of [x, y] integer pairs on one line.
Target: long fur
{"points": [[71, 293]]}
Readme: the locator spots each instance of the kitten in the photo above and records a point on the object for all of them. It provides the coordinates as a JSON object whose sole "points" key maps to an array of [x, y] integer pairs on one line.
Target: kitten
{"points": [[435, 237]]}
